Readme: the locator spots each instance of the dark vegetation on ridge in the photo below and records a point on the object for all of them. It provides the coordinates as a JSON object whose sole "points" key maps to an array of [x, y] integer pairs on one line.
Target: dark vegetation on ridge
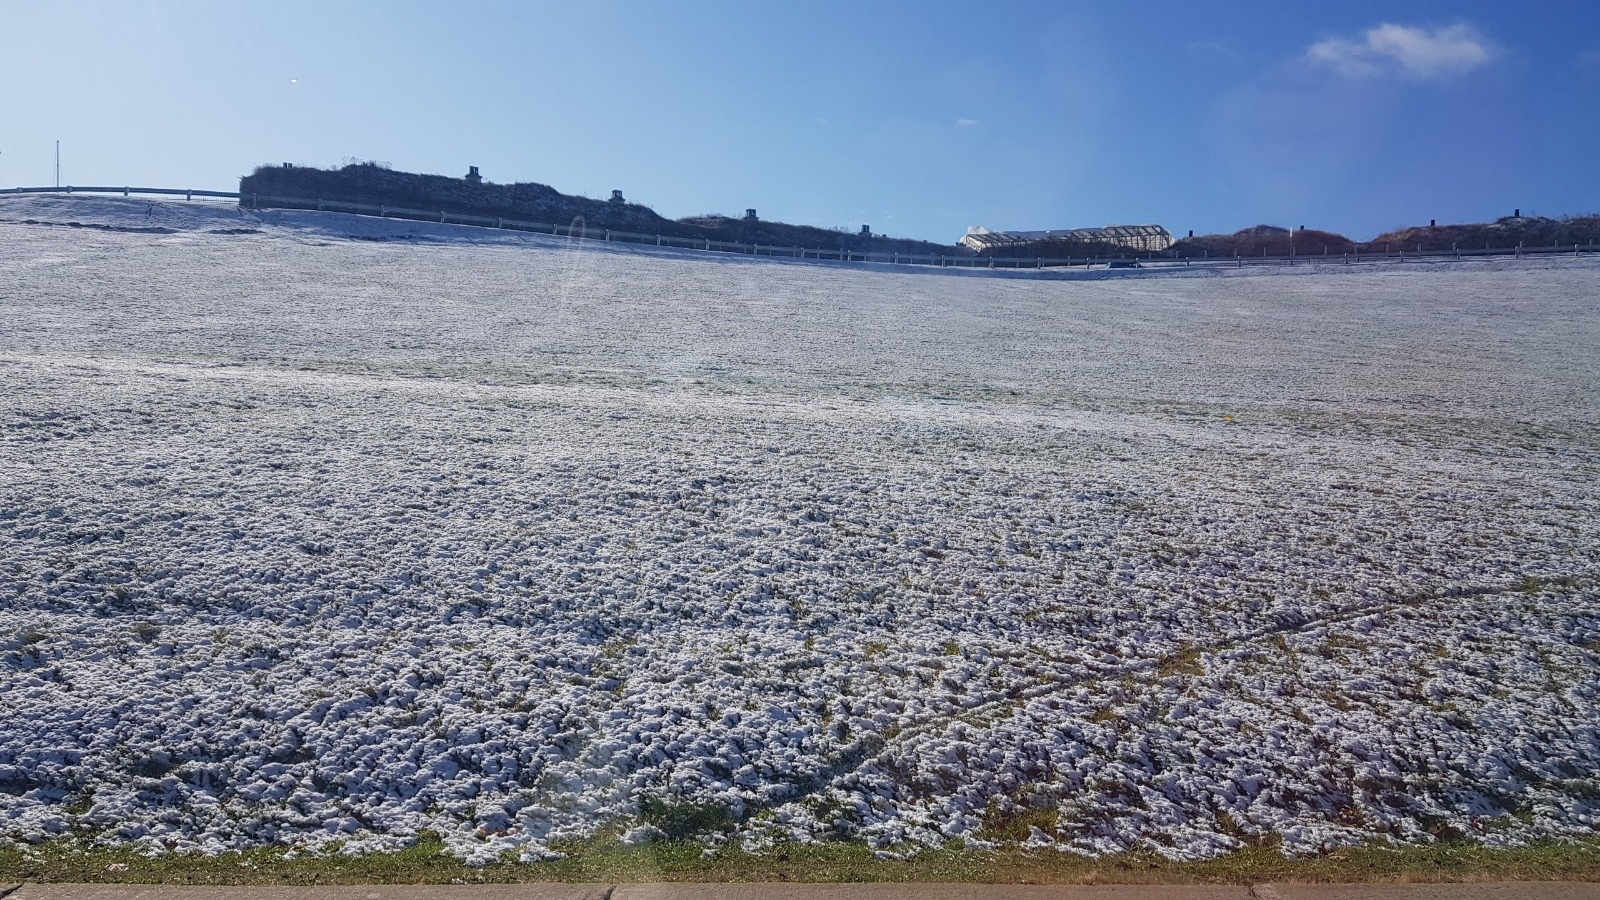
{"points": [[1056, 248], [1261, 240], [374, 184], [1501, 234], [1510, 231]]}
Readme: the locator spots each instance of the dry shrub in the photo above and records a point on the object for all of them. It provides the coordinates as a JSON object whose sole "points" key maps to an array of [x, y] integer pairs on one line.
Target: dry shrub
{"points": [[1501, 234], [1268, 240]]}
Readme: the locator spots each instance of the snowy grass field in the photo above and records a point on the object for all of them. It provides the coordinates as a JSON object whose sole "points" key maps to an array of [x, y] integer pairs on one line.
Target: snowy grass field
{"points": [[329, 532]]}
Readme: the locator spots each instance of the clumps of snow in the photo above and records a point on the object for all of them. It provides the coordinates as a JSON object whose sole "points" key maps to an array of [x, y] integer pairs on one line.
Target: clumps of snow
{"points": [[326, 543], [641, 834]]}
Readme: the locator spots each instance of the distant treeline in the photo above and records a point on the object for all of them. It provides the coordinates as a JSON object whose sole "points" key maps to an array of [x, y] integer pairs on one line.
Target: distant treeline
{"points": [[1057, 248], [377, 185], [1511, 231], [1501, 234]]}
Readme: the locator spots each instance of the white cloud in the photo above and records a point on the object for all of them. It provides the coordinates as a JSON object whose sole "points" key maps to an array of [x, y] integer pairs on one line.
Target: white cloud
{"points": [[1414, 52], [966, 123], [1591, 58]]}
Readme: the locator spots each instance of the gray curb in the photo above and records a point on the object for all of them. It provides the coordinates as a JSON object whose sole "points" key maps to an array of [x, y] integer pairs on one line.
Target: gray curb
{"points": [[1499, 890]]}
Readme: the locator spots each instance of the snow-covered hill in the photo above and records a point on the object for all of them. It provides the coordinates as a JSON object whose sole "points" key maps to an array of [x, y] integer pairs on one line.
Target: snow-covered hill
{"points": [[316, 528]]}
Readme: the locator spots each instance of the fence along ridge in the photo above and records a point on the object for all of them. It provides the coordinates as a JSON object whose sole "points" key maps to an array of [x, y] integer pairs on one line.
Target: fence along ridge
{"points": [[821, 254]]}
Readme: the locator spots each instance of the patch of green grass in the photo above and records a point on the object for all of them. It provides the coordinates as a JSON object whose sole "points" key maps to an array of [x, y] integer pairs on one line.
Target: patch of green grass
{"points": [[1340, 640], [1016, 825], [685, 820], [1105, 716], [81, 805], [1185, 662], [617, 647], [830, 862]]}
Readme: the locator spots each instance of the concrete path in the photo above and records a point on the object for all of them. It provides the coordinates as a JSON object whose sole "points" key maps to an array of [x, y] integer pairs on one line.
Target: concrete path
{"points": [[1500, 890], [1525, 890]]}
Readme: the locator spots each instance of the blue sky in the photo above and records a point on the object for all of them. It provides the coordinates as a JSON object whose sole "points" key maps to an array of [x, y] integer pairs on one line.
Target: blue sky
{"points": [[916, 118]]}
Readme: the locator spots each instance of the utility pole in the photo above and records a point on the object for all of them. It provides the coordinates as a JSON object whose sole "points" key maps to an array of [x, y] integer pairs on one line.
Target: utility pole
{"points": [[58, 164]]}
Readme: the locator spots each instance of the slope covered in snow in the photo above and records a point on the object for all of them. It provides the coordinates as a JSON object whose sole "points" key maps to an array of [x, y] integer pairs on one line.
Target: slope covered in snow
{"points": [[322, 529]]}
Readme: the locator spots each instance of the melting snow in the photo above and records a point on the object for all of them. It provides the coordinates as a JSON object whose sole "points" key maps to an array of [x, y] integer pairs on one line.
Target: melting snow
{"points": [[323, 531]]}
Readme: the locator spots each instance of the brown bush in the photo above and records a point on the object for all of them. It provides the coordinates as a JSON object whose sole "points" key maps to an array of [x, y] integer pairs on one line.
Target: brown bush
{"points": [[1269, 240], [1501, 234], [377, 185], [781, 234], [1061, 249]]}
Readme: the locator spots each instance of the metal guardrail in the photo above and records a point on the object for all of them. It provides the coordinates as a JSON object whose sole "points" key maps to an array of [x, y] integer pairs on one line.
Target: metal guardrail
{"points": [[186, 193], [1155, 259]]}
